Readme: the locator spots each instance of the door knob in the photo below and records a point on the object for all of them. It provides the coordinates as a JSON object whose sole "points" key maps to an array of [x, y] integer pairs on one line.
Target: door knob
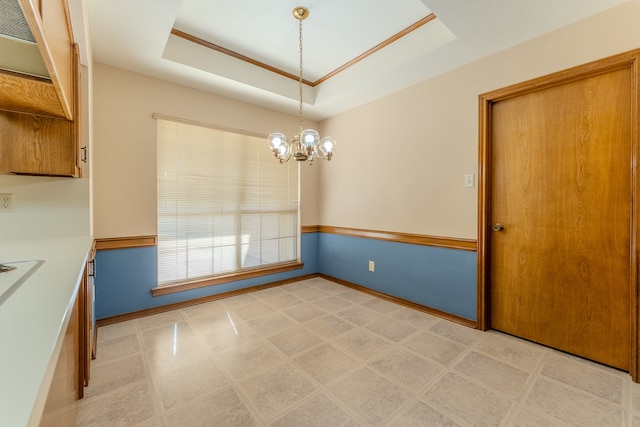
{"points": [[498, 227]]}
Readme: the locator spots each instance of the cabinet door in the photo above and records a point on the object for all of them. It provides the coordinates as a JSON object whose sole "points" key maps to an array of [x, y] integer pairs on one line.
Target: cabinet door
{"points": [[89, 324], [36, 145], [66, 385], [43, 145]]}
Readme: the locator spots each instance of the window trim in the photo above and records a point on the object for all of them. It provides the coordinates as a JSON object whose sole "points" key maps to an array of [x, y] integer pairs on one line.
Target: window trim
{"points": [[226, 278]]}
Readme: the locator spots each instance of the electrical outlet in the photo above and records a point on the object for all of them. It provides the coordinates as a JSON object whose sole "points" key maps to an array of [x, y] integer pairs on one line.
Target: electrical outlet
{"points": [[469, 180], [6, 202], [372, 266]]}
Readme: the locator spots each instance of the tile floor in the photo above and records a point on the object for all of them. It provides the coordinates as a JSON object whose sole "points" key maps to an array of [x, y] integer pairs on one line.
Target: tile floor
{"points": [[315, 353]]}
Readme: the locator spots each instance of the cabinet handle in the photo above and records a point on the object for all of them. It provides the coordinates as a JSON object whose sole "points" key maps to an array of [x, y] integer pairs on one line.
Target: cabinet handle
{"points": [[93, 268], [83, 158]]}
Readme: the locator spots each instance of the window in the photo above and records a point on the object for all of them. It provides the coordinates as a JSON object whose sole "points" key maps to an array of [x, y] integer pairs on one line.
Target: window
{"points": [[225, 204]]}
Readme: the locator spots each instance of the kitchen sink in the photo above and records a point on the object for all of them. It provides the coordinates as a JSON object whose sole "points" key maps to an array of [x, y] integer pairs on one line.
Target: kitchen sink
{"points": [[15, 273]]}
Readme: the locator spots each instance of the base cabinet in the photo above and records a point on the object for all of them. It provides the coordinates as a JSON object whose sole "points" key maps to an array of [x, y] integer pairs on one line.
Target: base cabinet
{"points": [[72, 370], [62, 401]]}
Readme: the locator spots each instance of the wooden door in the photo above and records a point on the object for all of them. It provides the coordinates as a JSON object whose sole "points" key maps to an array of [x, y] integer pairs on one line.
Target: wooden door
{"points": [[560, 267]]}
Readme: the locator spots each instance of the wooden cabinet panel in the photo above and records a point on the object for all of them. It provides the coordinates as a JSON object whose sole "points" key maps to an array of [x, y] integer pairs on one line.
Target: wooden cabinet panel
{"points": [[88, 322], [50, 25], [29, 94], [43, 145], [62, 401], [37, 145]]}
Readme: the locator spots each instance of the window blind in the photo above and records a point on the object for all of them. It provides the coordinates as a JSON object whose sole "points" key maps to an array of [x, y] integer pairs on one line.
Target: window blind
{"points": [[224, 203]]}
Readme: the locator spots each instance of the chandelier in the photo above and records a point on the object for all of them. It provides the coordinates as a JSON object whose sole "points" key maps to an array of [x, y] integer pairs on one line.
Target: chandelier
{"points": [[306, 144]]}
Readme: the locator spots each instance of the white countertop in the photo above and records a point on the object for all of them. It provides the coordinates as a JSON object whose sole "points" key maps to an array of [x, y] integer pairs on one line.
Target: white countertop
{"points": [[33, 321]]}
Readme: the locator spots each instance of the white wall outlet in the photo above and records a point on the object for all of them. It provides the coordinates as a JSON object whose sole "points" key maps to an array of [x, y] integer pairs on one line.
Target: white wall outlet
{"points": [[469, 180], [6, 202], [372, 266]]}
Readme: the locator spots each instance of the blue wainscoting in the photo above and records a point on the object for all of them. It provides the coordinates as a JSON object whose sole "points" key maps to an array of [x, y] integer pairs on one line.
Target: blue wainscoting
{"points": [[440, 278], [125, 278]]}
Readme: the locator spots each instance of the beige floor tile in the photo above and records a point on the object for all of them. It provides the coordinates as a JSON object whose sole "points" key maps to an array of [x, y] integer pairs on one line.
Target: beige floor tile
{"points": [[168, 335], [247, 359], [277, 389], [117, 348], [304, 312], [294, 340], [120, 372], [331, 304], [583, 375], [310, 294], [327, 286], [391, 329], [271, 323], [204, 309], [214, 322], [319, 411], [125, 406], [296, 286], [381, 306], [283, 301], [239, 300], [422, 415], [372, 397], [117, 330], [463, 399], [525, 417], [169, 317], [329, 326], [153, 422], [516, 352], [269, 292], [578, 409], [231, 336], [493, 373], [362, 343], [635, 397], [415, 318], [306, 354], [359, 315], [181, 385], [167, 358], [407, 368], [453, 331], [354, 296], [439, 349], [251, 310], [325, 363], [223, 408]]}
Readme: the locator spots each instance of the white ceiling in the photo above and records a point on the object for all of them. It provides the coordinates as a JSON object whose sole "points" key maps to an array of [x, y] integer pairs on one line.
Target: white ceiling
{"points": [[135, 35]]}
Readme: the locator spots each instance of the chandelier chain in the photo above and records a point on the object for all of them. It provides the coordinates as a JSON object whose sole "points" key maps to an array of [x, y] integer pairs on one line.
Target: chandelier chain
{"points": [[300, 70]]}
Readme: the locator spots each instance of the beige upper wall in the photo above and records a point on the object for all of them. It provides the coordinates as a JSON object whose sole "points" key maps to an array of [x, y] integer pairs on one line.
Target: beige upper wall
{"points": [[124, 145], [401, 160]]}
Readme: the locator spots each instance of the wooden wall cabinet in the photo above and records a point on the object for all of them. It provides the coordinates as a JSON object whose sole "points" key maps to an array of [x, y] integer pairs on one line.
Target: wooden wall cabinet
{"points": [[43, 145]]}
